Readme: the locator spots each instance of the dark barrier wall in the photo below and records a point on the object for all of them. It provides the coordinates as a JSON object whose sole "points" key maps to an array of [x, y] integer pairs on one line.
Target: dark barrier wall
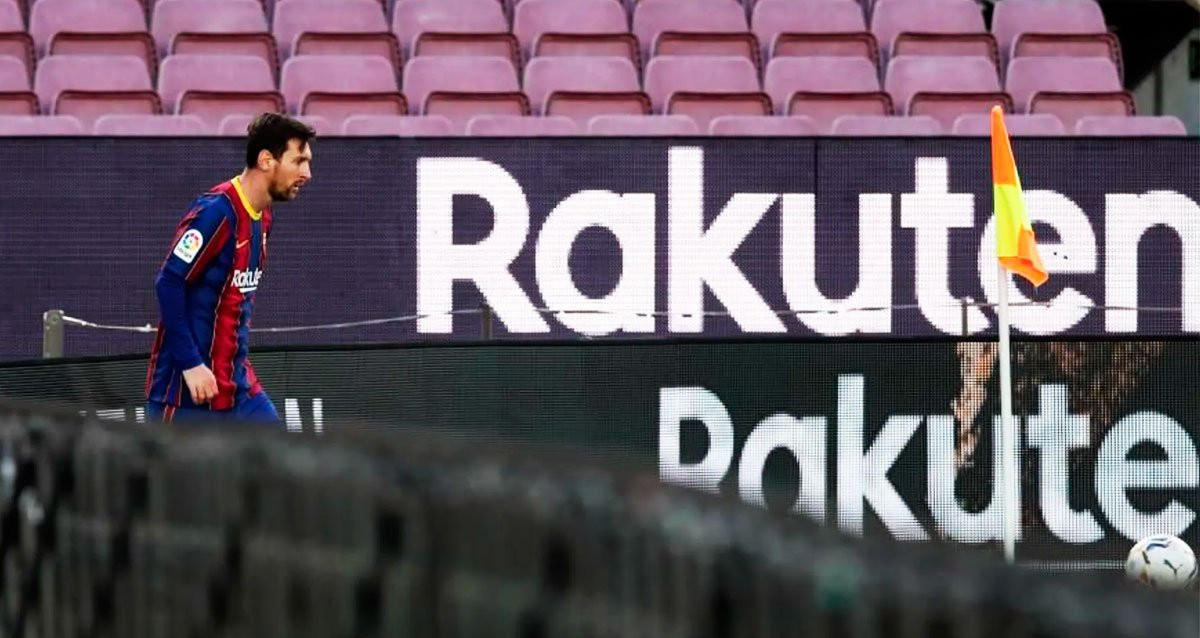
{"points": [[883, 437], [615, 227], [117, 530]]}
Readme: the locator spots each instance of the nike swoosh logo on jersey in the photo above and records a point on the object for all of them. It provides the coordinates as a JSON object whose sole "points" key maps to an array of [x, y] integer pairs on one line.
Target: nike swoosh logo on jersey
{"points": [[242, 243]]}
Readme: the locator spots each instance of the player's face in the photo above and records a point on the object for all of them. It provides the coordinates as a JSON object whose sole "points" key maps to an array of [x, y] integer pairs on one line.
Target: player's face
{"points": [[292, 171]]}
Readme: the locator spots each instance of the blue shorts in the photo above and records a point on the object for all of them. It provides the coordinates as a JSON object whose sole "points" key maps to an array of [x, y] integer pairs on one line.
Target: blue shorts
{"points": [[258, 409]]}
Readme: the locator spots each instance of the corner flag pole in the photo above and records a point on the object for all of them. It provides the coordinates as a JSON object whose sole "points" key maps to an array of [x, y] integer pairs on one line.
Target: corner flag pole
{"points": [[1008, 440], [1016, 251]]}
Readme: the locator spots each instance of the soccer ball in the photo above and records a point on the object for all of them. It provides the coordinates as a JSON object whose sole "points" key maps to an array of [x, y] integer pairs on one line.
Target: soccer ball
{"points": [[1161, 561]]}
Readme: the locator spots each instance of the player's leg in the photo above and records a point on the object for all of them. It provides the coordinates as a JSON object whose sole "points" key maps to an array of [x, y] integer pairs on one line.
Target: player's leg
{"points": [[258, 409], [157, 412]]}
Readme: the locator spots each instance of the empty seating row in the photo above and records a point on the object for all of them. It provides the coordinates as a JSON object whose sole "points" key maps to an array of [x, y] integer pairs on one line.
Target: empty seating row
{"points": [[559, 27], [977, 124], [339, 86]]}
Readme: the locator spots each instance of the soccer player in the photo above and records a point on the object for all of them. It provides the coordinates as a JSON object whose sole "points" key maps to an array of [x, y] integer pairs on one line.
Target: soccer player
{"points": [[199, 370]]}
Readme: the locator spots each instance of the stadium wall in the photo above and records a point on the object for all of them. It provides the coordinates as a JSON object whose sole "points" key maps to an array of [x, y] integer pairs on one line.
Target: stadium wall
{"points": [[805, 237], [881, 437]]}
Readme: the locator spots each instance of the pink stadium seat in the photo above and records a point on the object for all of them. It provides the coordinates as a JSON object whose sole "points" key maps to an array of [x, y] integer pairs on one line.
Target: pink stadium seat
{"points": [[12, 125], [944, 87], [813, 27], [460, 87], [1069, 87], [521, 126], [1062, 28], [582, 87], [1130, 126], [92, 27], [824, 87], [980, 124], [338, 86], [193, 26], [14, 40], [154, 4], [763, 125], [15, 96], [643, 125], [214, 86], [669, 27], [235, 125], [397, 125], [704, 87], [574, 27], [455, 28], [321, 125], [88, 86], [886, 126], [149, 125], [345, 27], [932, 27]]}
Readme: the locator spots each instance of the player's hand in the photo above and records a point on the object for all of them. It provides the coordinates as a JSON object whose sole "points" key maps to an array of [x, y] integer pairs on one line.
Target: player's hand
{"points": [[201, 383]]}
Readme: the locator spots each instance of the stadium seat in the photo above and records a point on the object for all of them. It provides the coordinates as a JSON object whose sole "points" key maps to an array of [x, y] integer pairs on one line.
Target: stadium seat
{"points": [[345, 27], [980, 124], [398, 125], [1130, 126], [763, 125], [11, 125], [92, 27], [932, 27], [460, 87], [704, 87], [642, 125], [575, 27], [668, 27], [338, 86], [1069, 87], [16, 98], [236, 124], [14, 40], [87, 86], [455, 28], [885, 126], [823, 88], [582, 87], [944, 86], [521, 126], [192, 26], [814, 27], [214, 86], [149, 125], [1063, 28]]}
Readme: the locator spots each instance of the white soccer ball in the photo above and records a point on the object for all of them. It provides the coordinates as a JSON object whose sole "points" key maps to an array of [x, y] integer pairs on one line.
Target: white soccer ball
{"points": [[1161, 561]]}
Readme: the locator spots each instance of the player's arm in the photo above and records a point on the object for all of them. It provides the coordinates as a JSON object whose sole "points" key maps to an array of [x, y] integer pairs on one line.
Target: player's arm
{"points": [[202, 235]]}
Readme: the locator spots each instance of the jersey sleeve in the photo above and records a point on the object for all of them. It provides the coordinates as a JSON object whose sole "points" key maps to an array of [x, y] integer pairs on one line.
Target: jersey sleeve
{"points": [[201, 235]]}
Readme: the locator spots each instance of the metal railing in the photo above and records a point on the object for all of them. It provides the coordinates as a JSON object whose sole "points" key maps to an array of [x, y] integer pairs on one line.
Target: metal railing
{"points": [[56, 321]]}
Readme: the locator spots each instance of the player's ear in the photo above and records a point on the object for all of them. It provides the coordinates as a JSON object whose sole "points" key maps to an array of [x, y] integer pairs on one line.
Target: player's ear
{"points": [[265, 160]]}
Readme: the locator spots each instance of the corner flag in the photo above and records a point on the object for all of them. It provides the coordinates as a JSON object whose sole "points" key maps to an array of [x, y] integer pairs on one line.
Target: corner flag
{"points": [[1016, 246]]}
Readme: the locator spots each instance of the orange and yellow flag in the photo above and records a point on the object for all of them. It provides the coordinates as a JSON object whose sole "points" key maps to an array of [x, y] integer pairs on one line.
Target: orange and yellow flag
{"points": [[1016, 247]]}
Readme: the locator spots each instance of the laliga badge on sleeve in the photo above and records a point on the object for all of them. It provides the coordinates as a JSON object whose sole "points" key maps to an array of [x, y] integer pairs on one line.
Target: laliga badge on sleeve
{"points": [[189, 245]]}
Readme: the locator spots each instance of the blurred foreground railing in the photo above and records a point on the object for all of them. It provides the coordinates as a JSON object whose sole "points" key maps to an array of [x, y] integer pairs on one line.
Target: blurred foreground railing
{"points": [[126, 530]]}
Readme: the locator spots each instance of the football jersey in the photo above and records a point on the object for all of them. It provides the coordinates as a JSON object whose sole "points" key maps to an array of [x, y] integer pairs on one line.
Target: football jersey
{"points": [[219, 250]]}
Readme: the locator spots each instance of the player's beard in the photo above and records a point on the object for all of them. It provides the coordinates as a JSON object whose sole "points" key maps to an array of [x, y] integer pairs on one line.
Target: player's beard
{"points": [[281, 194]]}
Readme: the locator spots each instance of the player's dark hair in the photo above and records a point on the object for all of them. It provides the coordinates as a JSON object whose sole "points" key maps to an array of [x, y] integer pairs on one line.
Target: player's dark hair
{"points": [[272, 132]]}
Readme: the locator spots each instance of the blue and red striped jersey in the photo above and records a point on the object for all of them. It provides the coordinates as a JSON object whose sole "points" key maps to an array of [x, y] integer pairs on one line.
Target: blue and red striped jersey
{"points": [[216, 260]]}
